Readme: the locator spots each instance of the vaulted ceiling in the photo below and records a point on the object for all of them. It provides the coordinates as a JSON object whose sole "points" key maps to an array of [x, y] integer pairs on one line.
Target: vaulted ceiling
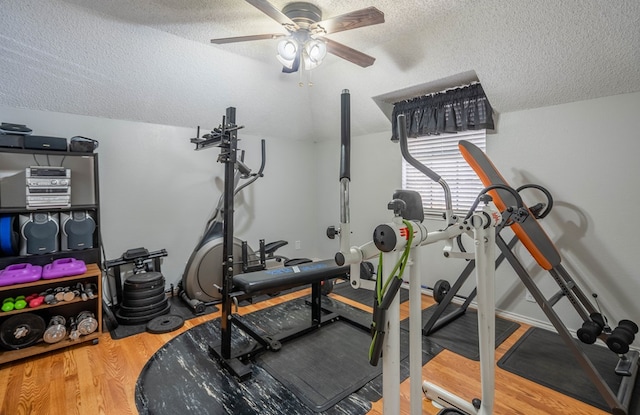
{"points": [[151, 60]]}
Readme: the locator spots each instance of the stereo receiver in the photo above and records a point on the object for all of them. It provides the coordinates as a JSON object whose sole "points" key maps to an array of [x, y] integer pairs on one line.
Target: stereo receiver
{"points": [[48, 187]]}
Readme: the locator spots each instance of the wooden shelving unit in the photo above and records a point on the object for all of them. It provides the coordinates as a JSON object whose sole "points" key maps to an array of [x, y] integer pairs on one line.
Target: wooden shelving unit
{"points": [[84, 197], [65, 308]]}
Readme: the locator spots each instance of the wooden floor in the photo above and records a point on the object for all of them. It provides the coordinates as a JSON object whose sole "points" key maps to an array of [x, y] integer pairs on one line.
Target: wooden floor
{"points": [[100, 379]]}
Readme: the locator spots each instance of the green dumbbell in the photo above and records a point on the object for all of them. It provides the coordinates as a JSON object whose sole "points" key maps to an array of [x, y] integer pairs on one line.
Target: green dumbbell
{"points": [[8, 304], [19, 303]]}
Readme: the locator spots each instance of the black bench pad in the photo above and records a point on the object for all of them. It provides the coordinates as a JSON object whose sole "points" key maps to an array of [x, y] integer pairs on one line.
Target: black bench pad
{"points": [[302, 274]]}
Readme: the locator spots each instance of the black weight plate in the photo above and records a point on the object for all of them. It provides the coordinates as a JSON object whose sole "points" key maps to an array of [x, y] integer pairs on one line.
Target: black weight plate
{"points": [[141, 284], [144, 301], [140, 294], [134, 287], [145, 307], [143, 311], [165, 324], [139, 320], [440, 290], [21, 330], [144, 278]]}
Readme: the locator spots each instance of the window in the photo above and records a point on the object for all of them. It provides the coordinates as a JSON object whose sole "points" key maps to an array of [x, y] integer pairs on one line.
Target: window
{"points": [[440, 153]]}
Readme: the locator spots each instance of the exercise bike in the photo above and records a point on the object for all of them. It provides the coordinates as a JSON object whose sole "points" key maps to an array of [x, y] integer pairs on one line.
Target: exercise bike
{"points": [[202, 279]]}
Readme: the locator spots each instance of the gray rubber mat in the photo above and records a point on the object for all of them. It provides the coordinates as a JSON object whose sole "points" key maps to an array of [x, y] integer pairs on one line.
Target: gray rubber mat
{"points": [[542, 357], [178, 308], [323, 367]]}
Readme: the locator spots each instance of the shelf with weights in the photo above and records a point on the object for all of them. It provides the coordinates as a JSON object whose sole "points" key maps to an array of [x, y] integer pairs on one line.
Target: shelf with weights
{"points": [[49, 217], [50, 314]]}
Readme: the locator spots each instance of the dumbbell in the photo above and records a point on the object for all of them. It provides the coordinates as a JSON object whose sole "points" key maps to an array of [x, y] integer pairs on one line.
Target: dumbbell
{"points": [[591, 329], [18, 303], [622, 336], [56, 331], [86, 322], [34, 300]]}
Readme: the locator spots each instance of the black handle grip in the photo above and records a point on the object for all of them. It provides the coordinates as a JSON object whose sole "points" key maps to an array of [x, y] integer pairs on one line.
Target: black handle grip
{"points": [[345, 145]]}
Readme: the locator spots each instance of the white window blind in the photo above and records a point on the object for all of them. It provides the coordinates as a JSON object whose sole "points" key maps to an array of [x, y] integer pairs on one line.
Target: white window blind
{"points": [[440, 153]]}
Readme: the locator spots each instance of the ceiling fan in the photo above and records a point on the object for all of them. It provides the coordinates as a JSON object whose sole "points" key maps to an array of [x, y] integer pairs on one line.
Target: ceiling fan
{"points": [[305, 42]]}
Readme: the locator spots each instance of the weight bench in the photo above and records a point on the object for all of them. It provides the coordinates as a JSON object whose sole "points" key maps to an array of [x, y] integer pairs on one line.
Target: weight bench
{"points": [[529, 232], [269, 281]]}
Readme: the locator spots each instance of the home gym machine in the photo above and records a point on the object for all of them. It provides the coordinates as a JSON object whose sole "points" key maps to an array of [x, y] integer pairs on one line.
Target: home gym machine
{"points": [[395, 243], [529, 232], [202, 279], [234, 286]]}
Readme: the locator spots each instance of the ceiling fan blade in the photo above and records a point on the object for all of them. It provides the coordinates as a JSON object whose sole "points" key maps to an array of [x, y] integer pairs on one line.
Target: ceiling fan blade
{"points": [[352, 55], [223, 40], [359, 18], [270, 10]]}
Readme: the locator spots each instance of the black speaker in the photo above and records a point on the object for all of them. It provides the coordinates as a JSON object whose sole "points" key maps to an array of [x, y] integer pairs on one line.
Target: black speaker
{"points": [[11, 140], [77, 230], [42, 142], [39, 233]]}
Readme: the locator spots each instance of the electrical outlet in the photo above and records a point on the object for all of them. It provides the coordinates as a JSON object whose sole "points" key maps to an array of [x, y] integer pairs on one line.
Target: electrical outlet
{"points": [[529, 297], [298, 244]]}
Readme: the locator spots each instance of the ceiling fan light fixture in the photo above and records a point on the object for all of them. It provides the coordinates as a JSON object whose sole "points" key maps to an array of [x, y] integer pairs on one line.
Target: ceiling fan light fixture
{"points": [[287, 49], [316, 51]]}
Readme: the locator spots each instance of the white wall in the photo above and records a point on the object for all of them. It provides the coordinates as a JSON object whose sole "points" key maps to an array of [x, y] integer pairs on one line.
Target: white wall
{"points": [[157, 192], [585, 153]]}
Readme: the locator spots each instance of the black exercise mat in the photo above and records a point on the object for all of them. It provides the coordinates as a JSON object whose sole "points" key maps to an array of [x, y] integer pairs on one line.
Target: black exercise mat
{"points": [[361, 295], [182, 378], [178, 308], [308, 366], [461, 335], [542, 357]]}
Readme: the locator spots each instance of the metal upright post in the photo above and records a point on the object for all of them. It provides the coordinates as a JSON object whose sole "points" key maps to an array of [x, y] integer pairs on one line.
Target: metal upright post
{"points": [[229, 158]]}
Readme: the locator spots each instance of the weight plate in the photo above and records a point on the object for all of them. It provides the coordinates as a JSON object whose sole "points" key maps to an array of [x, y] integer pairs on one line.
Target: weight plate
{"points": [[21, 330], [143, 311], [139, 320], [145, 280], [440, 290], [144, 301], [147, 307], [327, 287], [133, 287], [144, 293], [165, 324]]}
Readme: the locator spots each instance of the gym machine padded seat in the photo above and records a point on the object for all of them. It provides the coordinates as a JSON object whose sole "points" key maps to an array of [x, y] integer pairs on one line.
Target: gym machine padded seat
{"points": [[275, 278]]}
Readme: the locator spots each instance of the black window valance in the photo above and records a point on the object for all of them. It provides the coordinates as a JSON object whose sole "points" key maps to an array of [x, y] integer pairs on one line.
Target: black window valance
{"points": [[460, 109]]}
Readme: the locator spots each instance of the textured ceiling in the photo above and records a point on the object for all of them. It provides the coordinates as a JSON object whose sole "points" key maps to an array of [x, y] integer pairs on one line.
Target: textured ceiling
{"points": [[151, 60]]}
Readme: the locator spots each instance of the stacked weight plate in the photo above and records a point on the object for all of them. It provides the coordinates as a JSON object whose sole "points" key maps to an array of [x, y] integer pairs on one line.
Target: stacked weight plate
{"points": [[143, 298]]}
